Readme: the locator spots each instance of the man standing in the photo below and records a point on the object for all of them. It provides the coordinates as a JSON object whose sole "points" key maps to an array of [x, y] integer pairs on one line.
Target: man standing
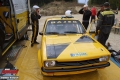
{"points": [[101, 10], [35, 24], [105, 23], [86, 15], [93, 10]]}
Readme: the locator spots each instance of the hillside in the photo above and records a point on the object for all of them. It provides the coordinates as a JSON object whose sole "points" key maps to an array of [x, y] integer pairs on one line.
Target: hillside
{"points": [[59, 8]]}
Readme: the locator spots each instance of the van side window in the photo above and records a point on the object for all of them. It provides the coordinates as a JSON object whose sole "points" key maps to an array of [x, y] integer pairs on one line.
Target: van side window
{"points": [[4, 3]]}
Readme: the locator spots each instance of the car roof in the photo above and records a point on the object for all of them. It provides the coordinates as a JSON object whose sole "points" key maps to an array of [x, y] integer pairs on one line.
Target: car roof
{"points": [[61, 18]]}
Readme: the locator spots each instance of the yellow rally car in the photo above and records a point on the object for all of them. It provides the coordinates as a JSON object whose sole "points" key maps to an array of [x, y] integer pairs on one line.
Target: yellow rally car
{"points": [[67, 48]]}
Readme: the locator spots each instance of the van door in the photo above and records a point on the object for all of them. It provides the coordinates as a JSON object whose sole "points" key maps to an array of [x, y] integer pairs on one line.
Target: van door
{"points": [[22, 16], [6, 27]]}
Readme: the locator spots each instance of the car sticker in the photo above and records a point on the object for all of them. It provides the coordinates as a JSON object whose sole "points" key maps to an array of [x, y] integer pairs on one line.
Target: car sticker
{"points": [[69, 22], [64, 22], [78, 54], [74, 22], [59, 22], [52, 22]]}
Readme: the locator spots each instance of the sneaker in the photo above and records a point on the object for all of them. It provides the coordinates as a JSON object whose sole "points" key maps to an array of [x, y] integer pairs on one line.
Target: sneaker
{"points": [[36, 42]]}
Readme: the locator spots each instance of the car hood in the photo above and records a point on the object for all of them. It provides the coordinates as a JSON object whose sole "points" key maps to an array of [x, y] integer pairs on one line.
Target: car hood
{"points": [[73, 47]]}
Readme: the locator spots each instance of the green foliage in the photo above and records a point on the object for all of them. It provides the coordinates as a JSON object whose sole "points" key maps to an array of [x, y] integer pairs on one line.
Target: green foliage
{"points": [[99, 2], [114, 3], [42, 2]]}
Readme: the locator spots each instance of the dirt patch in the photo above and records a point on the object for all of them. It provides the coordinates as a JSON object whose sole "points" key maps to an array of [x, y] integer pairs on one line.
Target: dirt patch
{"points": [[59, 8]]}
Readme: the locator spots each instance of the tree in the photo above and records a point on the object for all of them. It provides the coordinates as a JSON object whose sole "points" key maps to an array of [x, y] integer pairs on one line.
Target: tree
{"points": [[114, 3]]}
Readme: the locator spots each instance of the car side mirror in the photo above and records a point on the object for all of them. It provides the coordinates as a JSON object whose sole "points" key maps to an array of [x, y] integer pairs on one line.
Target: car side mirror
{"points": [[6, 14], [40, 33]]}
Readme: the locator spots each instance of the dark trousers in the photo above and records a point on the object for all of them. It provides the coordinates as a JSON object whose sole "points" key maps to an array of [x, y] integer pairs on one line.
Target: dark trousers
{"points": [[85, 24], [92, 18], [35, 30], [102, 38]]}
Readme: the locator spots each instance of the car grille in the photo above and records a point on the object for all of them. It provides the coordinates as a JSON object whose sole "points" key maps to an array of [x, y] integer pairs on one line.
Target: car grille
{"points": [[77, 63]]}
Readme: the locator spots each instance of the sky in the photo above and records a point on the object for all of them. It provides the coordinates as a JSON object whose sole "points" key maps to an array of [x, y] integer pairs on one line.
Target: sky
{"points": [[83, 1]]}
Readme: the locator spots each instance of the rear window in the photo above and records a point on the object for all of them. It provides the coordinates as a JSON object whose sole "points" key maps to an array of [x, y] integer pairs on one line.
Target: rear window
{"points": [[64, 26]]}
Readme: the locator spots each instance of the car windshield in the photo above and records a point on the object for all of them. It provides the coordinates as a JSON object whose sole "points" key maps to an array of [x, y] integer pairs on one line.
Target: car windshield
{"points": [[64, 27]]}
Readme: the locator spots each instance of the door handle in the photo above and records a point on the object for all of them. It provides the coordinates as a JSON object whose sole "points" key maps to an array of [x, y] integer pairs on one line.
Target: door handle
{"points": [[18, 20]]}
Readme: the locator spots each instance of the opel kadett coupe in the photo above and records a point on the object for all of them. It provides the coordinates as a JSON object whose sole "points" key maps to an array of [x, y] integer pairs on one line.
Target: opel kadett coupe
{"points": [[67, 48]]}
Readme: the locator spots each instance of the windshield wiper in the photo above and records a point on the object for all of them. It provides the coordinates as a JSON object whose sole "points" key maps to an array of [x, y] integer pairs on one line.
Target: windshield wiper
{"points": [[70, 32], [55, 33], [52, 33]]}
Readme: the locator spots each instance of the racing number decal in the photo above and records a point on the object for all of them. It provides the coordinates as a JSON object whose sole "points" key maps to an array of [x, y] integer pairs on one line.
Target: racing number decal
{"points": [[78, 54]]}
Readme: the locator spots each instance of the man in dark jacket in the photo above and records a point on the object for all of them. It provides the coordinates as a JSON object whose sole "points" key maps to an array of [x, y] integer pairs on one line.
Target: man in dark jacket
{"points": [[101, 10], [86, 15], [105, 23], [35, 24]]}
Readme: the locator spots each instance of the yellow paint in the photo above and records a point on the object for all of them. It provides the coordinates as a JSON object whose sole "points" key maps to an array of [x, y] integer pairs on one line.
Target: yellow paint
{"points": [[93, 50], [23, 19], [8, 47], [7, 28], [107, 12], [67, 73], [29, 69]]}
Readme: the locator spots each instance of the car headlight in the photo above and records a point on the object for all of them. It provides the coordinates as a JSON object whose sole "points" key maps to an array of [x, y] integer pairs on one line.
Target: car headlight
{"points": [[104, 58], [49, 63]]}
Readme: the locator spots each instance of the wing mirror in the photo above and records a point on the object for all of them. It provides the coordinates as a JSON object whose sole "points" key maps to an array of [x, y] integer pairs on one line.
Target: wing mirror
{"points": [[40, 33], [6, 14]]}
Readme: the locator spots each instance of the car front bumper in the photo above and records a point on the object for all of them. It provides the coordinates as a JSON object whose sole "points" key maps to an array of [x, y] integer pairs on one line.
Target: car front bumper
{"points": [[73, 70]]}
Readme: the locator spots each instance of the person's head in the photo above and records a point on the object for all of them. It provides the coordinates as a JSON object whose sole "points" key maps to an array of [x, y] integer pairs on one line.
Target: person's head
{"points": [[36, 8], [106, 5], [102, 7], [93, 6], [85, 7]]}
